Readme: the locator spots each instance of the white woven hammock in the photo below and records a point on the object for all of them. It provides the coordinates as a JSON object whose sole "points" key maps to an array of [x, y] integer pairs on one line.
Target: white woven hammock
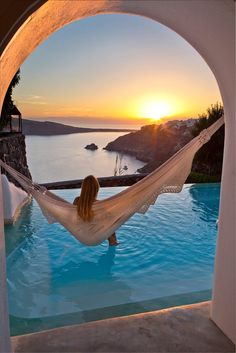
{"points": [[111, 213]]}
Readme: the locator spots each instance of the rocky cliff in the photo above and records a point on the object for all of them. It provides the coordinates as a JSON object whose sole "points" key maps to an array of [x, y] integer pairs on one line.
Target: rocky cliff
{"points": [[13, 152], [154, 144]]}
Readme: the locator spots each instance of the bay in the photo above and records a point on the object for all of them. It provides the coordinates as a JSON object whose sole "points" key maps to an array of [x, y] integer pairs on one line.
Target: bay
{"points": [[63, 157]]}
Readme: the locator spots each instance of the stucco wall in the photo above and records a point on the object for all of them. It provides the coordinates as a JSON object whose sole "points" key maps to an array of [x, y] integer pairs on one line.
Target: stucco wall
{"points": [[208, 25], [13, 151], [14, 199]]}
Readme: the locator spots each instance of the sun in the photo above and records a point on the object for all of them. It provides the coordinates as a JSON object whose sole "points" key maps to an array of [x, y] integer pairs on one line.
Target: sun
{"points": [[156, 110]]}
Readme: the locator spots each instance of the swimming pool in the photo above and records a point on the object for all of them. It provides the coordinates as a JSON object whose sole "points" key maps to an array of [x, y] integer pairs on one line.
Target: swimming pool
{"points": [[164, 258]]}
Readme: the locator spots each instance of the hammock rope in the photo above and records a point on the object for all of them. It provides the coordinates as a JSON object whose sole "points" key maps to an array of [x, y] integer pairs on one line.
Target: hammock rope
{"points": [[111, 213]]}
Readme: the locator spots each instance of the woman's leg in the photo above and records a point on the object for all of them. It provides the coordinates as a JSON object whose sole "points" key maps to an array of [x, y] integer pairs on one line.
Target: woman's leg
{"points": [[112, 240]]}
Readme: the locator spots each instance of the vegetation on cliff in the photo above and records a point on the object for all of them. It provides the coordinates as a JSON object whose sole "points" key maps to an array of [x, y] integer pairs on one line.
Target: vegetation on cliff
{"points": [[209, 158], [8, 103]]}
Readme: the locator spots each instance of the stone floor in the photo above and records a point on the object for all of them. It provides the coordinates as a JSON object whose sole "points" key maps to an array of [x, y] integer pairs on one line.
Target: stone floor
{"points": [[180, 329]]}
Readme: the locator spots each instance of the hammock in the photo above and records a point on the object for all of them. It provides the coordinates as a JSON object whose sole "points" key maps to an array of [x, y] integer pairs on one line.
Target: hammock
{"points": [[111, 213]]}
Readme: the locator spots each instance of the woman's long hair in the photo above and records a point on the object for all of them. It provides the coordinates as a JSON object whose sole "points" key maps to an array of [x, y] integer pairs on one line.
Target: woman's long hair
{"points": [[89, 191]]}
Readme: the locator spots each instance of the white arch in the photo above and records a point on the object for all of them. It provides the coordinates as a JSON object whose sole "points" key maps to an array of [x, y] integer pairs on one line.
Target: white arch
{"points": [[208, 25]]}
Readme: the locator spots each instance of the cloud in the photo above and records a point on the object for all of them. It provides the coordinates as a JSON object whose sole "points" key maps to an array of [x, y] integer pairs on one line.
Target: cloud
{"points": [[32, 99], [32, 102], [39, 103], [33, 96]]}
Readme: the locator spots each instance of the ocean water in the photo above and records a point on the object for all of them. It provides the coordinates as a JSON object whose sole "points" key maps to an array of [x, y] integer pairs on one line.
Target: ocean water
{"points": [[164, 258], [101, 123], [63, 157]]}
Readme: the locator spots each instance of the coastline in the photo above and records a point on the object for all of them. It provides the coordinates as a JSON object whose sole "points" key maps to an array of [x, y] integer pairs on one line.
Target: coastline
{"points": [[49, 128]]}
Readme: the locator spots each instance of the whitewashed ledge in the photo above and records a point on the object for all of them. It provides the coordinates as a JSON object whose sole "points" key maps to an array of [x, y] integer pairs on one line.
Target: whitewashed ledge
{"points": [[185, 329], [14, 199]]}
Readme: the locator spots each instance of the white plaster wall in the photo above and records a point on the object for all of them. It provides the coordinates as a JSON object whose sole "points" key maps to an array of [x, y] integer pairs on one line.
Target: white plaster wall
{"points": [[14, 198], [208, 25], [5, 345]]}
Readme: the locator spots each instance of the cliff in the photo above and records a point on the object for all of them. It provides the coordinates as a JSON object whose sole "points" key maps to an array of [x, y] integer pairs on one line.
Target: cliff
{"points": [[154, 144], [13, 152]]}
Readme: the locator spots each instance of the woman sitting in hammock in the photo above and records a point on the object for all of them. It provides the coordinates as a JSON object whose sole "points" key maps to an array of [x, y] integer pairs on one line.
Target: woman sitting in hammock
{"points": [[84, 202]]}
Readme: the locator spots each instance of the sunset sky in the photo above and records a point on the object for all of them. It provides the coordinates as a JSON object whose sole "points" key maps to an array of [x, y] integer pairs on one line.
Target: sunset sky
{"points": [[115, 67]]}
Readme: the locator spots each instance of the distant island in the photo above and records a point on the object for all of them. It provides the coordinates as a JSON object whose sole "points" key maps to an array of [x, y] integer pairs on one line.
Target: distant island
{"points": [[49, 128], [91, 147]]}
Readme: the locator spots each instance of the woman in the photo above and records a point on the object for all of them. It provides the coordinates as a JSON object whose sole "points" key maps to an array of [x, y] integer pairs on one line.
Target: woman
{"points": [[84, 202]]}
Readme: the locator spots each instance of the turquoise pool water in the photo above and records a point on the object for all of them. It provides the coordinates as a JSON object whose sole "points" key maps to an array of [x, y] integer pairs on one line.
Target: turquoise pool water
{"points": [[164, 258]]}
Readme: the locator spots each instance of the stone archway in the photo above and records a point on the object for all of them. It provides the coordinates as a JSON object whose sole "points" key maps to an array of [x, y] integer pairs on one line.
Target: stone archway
{"points": [[207, 25]]}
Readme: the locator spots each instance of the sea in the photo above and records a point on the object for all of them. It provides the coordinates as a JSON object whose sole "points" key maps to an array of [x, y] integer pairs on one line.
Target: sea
{"points": [[64, 157]]}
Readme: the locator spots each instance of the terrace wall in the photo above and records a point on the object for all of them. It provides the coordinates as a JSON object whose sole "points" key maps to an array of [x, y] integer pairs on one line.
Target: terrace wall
{"points": [[13, 152]]}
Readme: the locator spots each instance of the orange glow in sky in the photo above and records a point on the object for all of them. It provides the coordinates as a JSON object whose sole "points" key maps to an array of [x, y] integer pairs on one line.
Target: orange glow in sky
{"points": [[156, 109], [115, 67]]}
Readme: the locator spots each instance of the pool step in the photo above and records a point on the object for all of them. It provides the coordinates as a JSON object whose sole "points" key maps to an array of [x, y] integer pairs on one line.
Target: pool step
{"points": [[179, 329]]}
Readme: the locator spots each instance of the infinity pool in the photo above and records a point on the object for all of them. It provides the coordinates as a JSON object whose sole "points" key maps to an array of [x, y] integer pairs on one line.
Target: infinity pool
{"points": [[164, 258]]}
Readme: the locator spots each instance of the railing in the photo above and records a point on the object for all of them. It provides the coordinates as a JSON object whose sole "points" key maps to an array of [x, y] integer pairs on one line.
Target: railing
{"points": [[112, 181]]}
